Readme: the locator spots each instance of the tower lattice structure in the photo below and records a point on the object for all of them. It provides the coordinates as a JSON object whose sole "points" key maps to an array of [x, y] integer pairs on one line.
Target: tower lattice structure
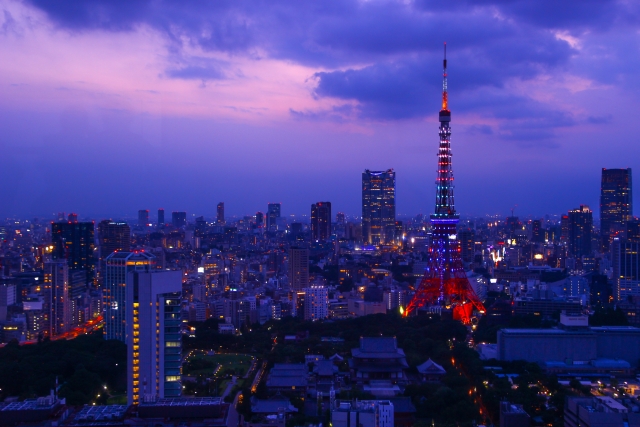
{"points": [[445, 283]]}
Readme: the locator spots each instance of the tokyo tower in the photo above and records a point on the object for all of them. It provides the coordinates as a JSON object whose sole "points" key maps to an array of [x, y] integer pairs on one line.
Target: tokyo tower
{"points": [[445, 283]]}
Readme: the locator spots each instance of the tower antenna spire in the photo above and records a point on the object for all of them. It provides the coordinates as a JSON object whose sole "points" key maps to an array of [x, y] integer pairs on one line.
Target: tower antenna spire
{"points": [[445, 106]]}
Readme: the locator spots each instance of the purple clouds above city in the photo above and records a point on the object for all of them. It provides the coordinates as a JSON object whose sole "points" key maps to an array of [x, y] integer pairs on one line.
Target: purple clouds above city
{"points": [[107, 107]]}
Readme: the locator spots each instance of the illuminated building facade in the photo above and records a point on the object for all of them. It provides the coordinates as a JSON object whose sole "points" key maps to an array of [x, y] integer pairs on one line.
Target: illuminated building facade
{"points": [[316, 303], [580, 227], [118, 267], [153, 335], [321, 221], [74, 241], [616, 204], [378, 207], [445, 283], [57, 307]]}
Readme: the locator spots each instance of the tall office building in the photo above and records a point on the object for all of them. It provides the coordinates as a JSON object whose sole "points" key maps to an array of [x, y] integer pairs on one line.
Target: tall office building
{"points": [[298, 268], [616, 204], [316, 303], [378, 206], [179, 219], [467, 238], [625, 260], [153, 335], [143, 217], [273, 213], [580, 227], [74, 241], [220, 211], [56, 304], [112, 236], [118, 267], [160, 217], [537, 233], [321, 221]]}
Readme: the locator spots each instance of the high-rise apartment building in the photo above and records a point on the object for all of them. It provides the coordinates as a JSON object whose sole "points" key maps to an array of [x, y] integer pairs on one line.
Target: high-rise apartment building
{"points": [[118, 267], [298, 268], [220, 211], [179, 219], [112, 236], [316, 303], [160, 217], [74, 241], [321, 221], [625, 260], [143, 217], [378, 206], [57, 307], [153, 335], [537, 233], [580, 227], [273, 214], [616, 204]]}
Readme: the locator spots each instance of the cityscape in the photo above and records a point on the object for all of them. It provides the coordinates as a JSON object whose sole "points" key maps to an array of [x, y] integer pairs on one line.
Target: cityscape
{"points": [[336, 306]]}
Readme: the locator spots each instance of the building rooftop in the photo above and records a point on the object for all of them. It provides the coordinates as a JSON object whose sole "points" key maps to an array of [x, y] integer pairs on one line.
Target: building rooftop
{"points": [[184, 401]]}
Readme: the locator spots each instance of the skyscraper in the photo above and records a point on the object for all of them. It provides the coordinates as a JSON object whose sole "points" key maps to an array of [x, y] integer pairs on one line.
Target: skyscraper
{"points": [[625, 260], [179, 219], [537, 233], [74, 241], [298, 268], [321, 221], [221, 213], [143, 217], [378, 206], [273, 213], [112, 236], [160, 217], [616, 206], [580, 227], [57, 306], [153, 334], [118, 267]]}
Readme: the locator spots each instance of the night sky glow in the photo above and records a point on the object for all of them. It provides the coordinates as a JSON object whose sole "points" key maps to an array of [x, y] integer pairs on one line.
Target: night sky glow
{"points": [[109, 106]]}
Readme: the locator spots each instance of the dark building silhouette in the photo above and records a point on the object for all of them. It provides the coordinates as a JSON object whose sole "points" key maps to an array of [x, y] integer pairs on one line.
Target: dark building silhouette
{"points": [[625, 260], [616, 206], [537, 233], [633, 231], [298, 268], [160, 217], [467, 239], [220, 212], [378, 206], [112, 236], [580, 227], [179, 219], [74, 241], [321, 221], [273, 213], [143, 217]]}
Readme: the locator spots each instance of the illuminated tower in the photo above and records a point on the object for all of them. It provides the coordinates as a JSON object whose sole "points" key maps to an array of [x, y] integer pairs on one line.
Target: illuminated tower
{"points": [[445, 283]]}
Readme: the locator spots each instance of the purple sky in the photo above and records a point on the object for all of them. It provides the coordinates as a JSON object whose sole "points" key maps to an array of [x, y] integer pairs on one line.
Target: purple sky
{"points": [[107, 106]]}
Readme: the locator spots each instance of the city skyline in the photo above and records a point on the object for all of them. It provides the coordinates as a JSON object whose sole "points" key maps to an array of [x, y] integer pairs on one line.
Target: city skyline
{"points": [[208, 115]]}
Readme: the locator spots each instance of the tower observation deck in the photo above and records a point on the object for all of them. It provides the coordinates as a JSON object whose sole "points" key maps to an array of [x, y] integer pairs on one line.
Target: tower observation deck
{"points": [[445, 283]]}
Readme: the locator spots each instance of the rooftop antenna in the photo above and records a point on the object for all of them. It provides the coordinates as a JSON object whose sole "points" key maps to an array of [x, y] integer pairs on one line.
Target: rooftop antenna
{"points": [[444, 80]]}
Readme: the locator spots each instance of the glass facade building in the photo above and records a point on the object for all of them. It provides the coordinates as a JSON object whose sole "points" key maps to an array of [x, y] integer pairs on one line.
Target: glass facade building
{"points": [[616, 207], [378, 207]]}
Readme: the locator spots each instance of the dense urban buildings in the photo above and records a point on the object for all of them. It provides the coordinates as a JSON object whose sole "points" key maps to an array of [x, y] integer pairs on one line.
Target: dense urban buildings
{"points": [[74, 241], [378, 206], [616, 204]]}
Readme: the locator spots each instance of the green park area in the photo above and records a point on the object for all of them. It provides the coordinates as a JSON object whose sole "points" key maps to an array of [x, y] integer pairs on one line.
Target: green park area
{"points": [[223, 365]]}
